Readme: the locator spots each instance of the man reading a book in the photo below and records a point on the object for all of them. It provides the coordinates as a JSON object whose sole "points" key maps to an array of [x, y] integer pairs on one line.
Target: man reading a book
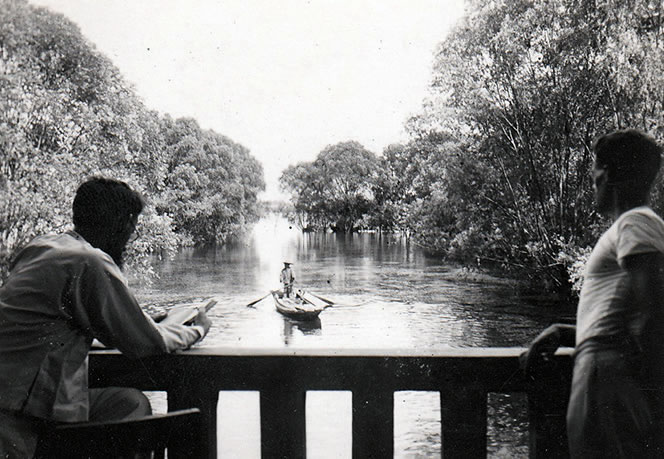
{"points": [[63, 291]]}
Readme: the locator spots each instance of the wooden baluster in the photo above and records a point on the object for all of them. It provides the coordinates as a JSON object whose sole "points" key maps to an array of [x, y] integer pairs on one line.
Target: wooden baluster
{"points": [[197, 395], [548, 395], [548, 436], [373, 423], [283, 423], [463, 412]]}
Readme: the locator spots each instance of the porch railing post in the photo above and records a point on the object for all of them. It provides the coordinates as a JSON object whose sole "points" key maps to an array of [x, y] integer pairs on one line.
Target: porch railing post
{"points": [[463, 413], [204, 398], [548, 394], [283, 419], [373, 423]]}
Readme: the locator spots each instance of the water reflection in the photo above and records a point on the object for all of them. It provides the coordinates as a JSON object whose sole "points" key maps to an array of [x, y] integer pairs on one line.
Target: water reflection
{"points": [[308, 327]]}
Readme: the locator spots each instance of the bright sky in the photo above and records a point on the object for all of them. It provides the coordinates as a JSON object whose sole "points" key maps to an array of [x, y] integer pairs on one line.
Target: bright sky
{"points": [[284, 78]]}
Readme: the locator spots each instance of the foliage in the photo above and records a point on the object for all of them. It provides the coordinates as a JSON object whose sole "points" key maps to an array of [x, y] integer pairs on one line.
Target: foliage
{"points": [[574, 260], [520, 89], [307, 189], [335, 190], [211, 184], [66, 114]]}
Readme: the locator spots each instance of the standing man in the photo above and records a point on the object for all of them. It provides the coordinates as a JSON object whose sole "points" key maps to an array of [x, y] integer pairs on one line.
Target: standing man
{"points": [[64, 290], [615, 407], [287, 278]]}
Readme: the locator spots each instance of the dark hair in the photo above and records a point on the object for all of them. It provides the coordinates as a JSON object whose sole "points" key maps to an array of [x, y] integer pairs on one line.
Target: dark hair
{"points": [[102, 203], [630, 156]]}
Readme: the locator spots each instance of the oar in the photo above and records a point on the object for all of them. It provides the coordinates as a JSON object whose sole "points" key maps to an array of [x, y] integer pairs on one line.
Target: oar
{"points": [[260, 299], [323, 299], [332, 303]]}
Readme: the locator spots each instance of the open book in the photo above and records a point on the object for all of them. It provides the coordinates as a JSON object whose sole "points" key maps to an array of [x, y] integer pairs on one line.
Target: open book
{"points": [[186, 313]]}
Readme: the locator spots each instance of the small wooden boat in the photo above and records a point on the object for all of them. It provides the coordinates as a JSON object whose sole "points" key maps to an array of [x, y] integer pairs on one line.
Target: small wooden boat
{"points": [[303, 306]]}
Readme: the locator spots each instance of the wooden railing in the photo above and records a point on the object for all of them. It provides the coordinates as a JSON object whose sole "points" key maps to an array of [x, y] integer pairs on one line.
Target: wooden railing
{"points": [[463, 377]]}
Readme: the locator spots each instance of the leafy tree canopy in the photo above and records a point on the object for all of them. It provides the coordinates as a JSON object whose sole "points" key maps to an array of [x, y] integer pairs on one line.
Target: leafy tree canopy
{"points": [[335, 190], [521, 88], [67, 114]]}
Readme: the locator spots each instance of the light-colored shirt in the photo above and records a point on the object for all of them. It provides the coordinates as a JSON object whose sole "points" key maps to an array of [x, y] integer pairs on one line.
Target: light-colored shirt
{"points": [[62, 293], [286, 276], [604, 308]]}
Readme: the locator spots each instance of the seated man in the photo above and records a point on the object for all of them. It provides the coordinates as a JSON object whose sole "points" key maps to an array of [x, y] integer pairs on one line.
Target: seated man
{"points": [[64, 290]]}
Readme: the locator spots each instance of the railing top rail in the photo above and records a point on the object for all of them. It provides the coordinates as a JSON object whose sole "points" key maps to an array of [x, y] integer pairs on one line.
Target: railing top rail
{"points": [[443, 352]]}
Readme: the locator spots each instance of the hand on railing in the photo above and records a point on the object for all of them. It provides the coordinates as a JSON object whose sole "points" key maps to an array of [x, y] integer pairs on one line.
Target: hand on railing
{"points": [[202, 320], [544, 346]]}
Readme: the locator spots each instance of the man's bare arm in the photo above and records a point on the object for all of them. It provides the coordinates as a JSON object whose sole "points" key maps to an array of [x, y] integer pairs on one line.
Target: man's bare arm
{"points": [[646, 280], [646, 286]]}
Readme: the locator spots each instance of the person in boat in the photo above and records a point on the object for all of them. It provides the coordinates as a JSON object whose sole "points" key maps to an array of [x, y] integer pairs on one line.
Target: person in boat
{"points": [[63, 290], [287, 279], [615, 408]]}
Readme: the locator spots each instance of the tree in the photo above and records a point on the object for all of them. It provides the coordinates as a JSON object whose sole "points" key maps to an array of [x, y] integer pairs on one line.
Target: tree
{"points": [[336, 189], [348, 170], [521, 89], [66, 114], [211, 183], [307, 188]]}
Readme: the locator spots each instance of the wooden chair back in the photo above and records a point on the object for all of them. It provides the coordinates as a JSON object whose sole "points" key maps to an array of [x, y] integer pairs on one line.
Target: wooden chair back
{"points": [[149, 436]]}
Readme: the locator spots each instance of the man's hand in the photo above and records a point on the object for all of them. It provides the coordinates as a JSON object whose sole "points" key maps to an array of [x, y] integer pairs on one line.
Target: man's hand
{"points": [[202, 320], [159, 316], [545, 345]]}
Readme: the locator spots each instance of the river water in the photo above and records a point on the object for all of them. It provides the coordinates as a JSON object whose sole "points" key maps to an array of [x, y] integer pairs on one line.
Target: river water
{"points": [[388, 294]]}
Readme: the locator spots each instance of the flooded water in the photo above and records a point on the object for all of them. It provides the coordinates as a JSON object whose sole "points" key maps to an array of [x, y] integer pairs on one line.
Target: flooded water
{"points": [[388, 294]]}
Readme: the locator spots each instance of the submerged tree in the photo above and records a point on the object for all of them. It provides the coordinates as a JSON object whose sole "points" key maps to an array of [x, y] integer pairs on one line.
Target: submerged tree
{"points": [[66, 114], [335, 190], [304, 183]]}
